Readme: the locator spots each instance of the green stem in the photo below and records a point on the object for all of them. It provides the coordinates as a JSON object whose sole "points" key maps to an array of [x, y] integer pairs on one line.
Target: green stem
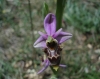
{"points": [[59, 15], [54, 72], [59, 12]]}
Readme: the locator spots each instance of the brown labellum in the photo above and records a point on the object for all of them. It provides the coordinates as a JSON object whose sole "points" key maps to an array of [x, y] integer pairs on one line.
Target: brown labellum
{"points": [[53, 55]]}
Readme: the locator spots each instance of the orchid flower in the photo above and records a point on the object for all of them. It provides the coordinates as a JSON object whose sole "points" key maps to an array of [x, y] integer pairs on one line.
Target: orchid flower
{"points": [[50, 28], [51, 42]]}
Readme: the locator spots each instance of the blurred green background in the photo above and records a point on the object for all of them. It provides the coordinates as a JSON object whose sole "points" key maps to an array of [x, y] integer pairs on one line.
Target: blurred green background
{"points": [[81, 54]]}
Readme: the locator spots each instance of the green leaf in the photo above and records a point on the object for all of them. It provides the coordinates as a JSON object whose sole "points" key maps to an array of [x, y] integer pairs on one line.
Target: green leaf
{"points": [[45, 10]]}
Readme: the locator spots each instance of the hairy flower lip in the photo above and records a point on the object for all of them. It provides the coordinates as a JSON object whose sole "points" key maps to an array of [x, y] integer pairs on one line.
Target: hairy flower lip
{"points": [[55, 60]]}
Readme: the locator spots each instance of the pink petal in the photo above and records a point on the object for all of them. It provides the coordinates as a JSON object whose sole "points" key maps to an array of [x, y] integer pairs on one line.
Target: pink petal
{"points": [[61, 65], [45, 67], [40, 43], [43, 35], [57, 33], [63, 36], [50, 24]]}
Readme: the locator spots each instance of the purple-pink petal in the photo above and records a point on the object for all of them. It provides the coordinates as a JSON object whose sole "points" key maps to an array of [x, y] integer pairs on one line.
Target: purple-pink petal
{"points": [[62, 65], [50, 24], [43, 35], [40, 42], [63, 36], [57, 33], [45, 67]]}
